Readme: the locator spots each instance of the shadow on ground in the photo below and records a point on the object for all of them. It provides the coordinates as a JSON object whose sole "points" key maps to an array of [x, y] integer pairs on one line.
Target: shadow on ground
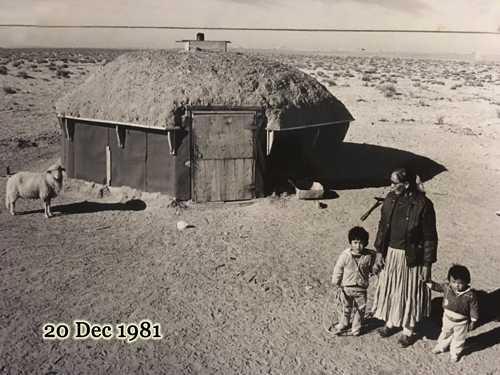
{"points": [[489, 311], [89, 207], [347, 166], [355, 166]]}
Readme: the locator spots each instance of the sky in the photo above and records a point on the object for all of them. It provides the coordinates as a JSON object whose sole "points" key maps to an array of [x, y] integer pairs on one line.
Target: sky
{"points": [[438, 15]]}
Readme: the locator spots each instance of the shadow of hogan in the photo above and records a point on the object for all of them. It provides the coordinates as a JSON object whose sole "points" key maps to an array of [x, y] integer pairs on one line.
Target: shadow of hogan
{"points": [[354, 165]]}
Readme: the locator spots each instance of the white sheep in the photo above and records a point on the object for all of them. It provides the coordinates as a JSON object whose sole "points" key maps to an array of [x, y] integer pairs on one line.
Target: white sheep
{"points": [[34, 185]]}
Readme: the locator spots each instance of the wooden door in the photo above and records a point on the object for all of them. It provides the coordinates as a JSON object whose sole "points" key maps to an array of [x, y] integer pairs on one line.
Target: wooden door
{"points": [[223, 156]]}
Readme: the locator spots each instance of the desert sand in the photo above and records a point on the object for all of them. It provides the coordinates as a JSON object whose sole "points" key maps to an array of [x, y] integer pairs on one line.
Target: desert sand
{"points": [[243, 289]]}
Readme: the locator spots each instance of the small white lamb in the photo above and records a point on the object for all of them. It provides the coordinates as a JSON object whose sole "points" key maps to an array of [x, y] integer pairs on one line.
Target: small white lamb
{"points": [[34, 185]]}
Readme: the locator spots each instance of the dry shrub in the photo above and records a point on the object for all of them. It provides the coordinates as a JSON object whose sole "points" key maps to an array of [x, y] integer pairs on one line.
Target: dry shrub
{"points": [[25, 143], [3, 70], [330, 82], [388, 89], [23, 74], [63, 73], [9, 90], [391, 80], [439, 120]]}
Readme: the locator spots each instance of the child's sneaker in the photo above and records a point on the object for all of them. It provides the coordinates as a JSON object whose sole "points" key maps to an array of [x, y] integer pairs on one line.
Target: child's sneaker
{"points": [[437, 350], [355, 333], [454, 357]]}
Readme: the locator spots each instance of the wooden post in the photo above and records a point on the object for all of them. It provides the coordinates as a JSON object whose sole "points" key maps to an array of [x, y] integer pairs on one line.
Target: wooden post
{"points": [[171, 141], [108, 166], [120, 135], [270, 140]]}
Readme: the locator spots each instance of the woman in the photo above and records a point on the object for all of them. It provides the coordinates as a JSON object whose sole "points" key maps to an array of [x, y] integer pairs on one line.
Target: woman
{"points": [[406, 246]]}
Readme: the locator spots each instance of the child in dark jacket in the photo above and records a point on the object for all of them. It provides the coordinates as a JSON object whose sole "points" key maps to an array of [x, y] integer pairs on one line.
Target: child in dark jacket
{"points": [[460, 311], [351, 273]]}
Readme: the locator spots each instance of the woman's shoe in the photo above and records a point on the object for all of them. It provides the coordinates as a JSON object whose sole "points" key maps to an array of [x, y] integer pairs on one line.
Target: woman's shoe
{"points": [[405, 341], [385, 332]]}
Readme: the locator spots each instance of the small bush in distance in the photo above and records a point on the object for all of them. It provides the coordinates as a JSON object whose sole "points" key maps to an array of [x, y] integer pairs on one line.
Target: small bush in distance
{"points": [[388, 89], [440, 120], [63, 73], [330, 82], [9, 90], [23, 74]]}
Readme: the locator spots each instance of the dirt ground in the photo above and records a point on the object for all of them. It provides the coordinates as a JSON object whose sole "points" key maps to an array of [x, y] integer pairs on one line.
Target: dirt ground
{"points": [[243, 289]]}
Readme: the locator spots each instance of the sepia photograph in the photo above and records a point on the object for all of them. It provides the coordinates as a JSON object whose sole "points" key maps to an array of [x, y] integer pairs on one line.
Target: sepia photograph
{"points": [[250, 187]]}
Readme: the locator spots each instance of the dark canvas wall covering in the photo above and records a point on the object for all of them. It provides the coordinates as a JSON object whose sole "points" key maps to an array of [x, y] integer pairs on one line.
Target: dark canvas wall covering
{"points": [[89, 150], [128, 164], [67, 158], [160, 165], [167, 173]]}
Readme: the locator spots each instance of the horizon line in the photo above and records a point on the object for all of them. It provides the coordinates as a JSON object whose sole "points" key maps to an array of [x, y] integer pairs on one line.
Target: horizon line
{"points": [[250, 29]]}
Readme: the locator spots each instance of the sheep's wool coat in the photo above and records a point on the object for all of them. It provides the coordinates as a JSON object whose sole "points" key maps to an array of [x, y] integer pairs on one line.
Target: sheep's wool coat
{"points": [[34, 185]]}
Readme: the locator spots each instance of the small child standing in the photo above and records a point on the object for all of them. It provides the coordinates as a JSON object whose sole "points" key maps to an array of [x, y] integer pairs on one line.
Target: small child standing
{"points": [[351, 273], [460, 311]]}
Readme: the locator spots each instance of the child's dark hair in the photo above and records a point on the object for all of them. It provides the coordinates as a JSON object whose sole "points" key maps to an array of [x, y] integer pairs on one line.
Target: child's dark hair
{"points": [[358, 233], [459, 272]]}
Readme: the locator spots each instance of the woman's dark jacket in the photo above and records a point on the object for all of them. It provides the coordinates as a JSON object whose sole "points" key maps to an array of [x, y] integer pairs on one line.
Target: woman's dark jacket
{"points": [[421, 233]]}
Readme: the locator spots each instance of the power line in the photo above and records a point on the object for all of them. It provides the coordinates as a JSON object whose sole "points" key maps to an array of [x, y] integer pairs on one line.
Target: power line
{"points": [[250, 29]]}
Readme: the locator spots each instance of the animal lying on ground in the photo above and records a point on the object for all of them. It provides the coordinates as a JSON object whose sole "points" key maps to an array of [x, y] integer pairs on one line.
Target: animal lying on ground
{"points": [[35, 185]]}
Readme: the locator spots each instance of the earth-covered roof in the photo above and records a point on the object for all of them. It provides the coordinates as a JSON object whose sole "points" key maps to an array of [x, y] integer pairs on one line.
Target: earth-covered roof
{"points": [[150, 87]]}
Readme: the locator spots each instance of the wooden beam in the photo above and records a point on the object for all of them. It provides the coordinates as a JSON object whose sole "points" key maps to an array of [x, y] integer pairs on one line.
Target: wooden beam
{"points": [[62, 124], [171, 142], [224, 109], [67, 127], [312, 125], [120, 123], [120, 135], [270, 140]]}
